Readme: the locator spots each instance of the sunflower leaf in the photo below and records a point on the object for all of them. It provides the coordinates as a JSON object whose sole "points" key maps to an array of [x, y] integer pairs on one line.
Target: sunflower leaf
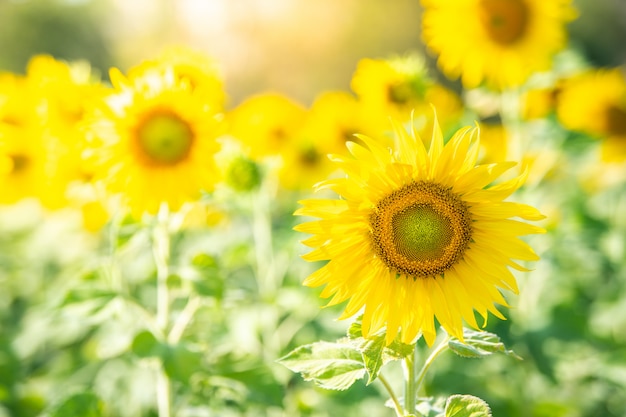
{"points": [[374, 350], [466, 406], [479, 345], [331, 365]]}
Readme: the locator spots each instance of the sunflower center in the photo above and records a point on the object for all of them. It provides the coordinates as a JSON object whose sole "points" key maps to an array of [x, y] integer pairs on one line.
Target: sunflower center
{"points": [[504, 20], [19, 163], [616, 121], [421, 230], [164, 138]]}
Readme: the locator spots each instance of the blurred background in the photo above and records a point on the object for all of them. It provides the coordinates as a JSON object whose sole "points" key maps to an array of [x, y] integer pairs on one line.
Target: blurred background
{"points": [[295, 47]]}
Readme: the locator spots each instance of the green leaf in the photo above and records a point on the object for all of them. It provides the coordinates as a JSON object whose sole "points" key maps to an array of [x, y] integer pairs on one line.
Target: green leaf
{"points": [[374, 350], [330, 365], [79, 295], [84, 404], [145, 345], [209, 283], [479, 345], [180, 363], [466, 406]]}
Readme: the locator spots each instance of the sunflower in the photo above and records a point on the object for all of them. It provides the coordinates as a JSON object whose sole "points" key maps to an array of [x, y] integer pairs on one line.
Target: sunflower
{"points": [[595, 102], [153, 140], [35, 161], [397, 86], [266, 123], [188, 65], [418, 235], [499, 41]]}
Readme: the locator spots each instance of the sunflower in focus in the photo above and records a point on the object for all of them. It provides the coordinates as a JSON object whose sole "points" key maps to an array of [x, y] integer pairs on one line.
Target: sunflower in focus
{"points": [[418, 234], [153, 140], [498, 41], [396, 87], [595, 102]]}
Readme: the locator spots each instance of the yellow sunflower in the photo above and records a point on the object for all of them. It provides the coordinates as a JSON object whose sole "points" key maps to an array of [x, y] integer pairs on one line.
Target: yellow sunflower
{"points": [[498, 41], [153, 140], [396, 87], [33, 161], [191, 66], [595, 102], [266, 123], [418, 234]]}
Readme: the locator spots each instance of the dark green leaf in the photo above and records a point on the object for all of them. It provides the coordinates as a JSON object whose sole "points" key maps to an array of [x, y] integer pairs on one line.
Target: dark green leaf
{"points": [[330, 365], [466, 406]]}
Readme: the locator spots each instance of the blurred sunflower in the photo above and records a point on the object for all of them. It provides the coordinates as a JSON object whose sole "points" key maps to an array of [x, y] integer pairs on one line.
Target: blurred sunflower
{"points": [[595, 102], [398, 86], [22, 149], [418, 235], [498, 41], [334, 118], [188, 65], [266, 123], [153, 140], [39, 140]]}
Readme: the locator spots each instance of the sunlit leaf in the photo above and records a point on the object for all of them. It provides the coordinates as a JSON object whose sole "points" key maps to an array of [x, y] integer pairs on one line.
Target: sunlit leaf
{"points": [[479, 345], [466, 406], [374, 350], [330, 365]]}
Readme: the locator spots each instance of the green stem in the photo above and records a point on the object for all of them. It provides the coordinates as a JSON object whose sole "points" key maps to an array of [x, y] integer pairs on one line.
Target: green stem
{"points": [[410, 392], [429, 361], [392, 395], [161, 252]]}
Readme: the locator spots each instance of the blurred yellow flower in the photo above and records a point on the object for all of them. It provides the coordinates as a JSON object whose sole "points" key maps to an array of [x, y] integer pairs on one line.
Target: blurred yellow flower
{"points": [[538, 103], [595, 102], [334, 118], [498, 41], [266, 123], [398, 86], [189, 66], [494, 143], [40, 142], [417, 235], [153, 140]]}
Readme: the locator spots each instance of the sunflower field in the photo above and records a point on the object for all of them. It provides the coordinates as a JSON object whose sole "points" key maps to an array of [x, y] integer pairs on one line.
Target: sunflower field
{"points": [[302, 208]]}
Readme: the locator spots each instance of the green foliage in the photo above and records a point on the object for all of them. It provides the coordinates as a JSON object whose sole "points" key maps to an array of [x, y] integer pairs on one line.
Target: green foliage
{"points": [[478, 345], [330, 365], [84, 404], [466, 406], [374, 350]]}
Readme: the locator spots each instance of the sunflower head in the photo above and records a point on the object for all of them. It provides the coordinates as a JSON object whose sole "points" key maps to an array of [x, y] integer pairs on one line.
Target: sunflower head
{"points": [[595, 102], [500, 42], [153, 140], [419, 235]]}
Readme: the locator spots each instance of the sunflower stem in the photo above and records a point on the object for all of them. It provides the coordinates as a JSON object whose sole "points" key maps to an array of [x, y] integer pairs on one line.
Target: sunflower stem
{"points": [[441, 347], [410, 392], [392, 395], [161, 253]]}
